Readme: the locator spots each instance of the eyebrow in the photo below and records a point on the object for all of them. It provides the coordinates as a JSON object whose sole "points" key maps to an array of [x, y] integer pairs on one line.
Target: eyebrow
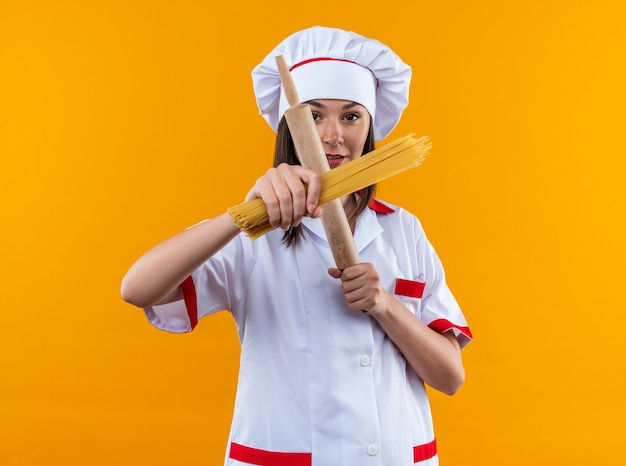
{"points": [[317, 104]]}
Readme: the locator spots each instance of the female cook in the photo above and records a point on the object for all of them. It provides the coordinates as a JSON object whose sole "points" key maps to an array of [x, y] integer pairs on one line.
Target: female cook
{"points": [[333, 363]]}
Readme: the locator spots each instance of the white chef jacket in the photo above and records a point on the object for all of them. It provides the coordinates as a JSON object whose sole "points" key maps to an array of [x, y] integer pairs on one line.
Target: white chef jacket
{"points": [[320, 384]]}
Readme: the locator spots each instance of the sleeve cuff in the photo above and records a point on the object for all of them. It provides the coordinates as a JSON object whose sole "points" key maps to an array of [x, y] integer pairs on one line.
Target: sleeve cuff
{"points": [[170, 317], [462, 334]]}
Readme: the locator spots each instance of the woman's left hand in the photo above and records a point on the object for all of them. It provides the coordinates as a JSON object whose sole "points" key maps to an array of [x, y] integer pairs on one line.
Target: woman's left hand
{"points": [[362, 288]]}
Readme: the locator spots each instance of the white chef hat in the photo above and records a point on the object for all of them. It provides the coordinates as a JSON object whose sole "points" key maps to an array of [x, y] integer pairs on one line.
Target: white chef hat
{"points": [[329, 63]]}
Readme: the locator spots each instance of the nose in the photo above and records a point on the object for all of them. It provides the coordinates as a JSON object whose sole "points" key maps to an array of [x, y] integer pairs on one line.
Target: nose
{"points": [[332, 134]]}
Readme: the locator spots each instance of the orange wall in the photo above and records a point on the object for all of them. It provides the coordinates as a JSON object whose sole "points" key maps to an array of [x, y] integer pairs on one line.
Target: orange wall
{"points": [[123, 122]]}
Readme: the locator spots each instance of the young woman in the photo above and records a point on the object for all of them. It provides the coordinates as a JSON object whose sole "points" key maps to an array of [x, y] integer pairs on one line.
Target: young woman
{"points": [[333, 362]]}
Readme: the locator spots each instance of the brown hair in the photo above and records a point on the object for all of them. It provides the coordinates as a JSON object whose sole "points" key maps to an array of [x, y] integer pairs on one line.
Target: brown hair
{"points": [[285, 152]]}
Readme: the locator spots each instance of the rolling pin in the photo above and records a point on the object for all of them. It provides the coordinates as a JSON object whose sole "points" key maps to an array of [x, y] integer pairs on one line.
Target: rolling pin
{"points": [[311, 154]]}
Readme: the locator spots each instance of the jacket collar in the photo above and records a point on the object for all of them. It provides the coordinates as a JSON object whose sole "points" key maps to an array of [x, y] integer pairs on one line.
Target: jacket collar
{"points": [[367, 226]]}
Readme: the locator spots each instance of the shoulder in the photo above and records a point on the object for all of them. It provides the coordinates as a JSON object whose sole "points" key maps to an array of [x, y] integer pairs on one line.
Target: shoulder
{"points": [[398, 224]]}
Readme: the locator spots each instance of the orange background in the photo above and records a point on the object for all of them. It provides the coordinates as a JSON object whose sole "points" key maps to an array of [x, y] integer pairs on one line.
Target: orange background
{"points": [[123, 122]]}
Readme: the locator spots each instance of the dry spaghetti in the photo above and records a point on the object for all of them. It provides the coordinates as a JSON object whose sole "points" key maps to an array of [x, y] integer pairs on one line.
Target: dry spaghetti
{"points": [[400, 155]]}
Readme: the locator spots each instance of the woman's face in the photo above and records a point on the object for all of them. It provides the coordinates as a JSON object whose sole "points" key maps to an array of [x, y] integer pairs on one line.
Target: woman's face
{"points": [[343, 126]]}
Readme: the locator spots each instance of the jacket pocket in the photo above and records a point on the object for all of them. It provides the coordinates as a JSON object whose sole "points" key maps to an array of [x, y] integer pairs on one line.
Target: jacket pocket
{"points": [[409, 288], [247, 455]]}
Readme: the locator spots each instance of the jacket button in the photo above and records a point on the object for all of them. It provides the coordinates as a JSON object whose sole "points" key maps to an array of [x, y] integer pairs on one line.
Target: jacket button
{"points": [[364, 360], [372, 449]]}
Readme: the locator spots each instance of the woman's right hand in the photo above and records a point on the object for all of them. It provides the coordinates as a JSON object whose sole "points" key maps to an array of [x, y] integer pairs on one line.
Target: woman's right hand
{"points": [[290, 192]]}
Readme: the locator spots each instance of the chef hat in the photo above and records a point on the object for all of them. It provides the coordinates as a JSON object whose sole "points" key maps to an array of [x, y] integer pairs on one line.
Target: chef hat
{"points": [[329, 63]]}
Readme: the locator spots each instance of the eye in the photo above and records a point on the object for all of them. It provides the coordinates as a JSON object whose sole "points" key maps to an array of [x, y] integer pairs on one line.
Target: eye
{"points": [[316, 116], [352, 116]]}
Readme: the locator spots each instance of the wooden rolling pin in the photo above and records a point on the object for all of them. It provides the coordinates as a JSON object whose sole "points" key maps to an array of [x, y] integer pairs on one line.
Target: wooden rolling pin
{"points": [[312, 155]]}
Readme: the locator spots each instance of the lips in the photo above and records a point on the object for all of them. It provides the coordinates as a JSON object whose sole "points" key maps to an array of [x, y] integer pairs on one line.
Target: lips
{"points": [[334, 160]]}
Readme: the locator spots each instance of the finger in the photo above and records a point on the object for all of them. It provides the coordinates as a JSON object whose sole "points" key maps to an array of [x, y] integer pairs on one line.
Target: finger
{"points": [[266, 189], [355, 271], [282, 190], [297, 189], [314, 187], [334, 272], [317, 212]]}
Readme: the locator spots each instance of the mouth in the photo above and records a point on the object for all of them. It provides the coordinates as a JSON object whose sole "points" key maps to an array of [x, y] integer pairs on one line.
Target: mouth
{"points": [[335, 160]]}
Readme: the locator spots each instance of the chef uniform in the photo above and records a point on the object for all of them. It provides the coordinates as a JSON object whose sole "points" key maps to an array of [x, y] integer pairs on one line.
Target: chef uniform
{"points": [[320, 384]]}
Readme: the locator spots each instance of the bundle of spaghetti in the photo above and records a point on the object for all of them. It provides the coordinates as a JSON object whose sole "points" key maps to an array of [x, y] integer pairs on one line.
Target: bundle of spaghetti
{"points": [[391, 159]]}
